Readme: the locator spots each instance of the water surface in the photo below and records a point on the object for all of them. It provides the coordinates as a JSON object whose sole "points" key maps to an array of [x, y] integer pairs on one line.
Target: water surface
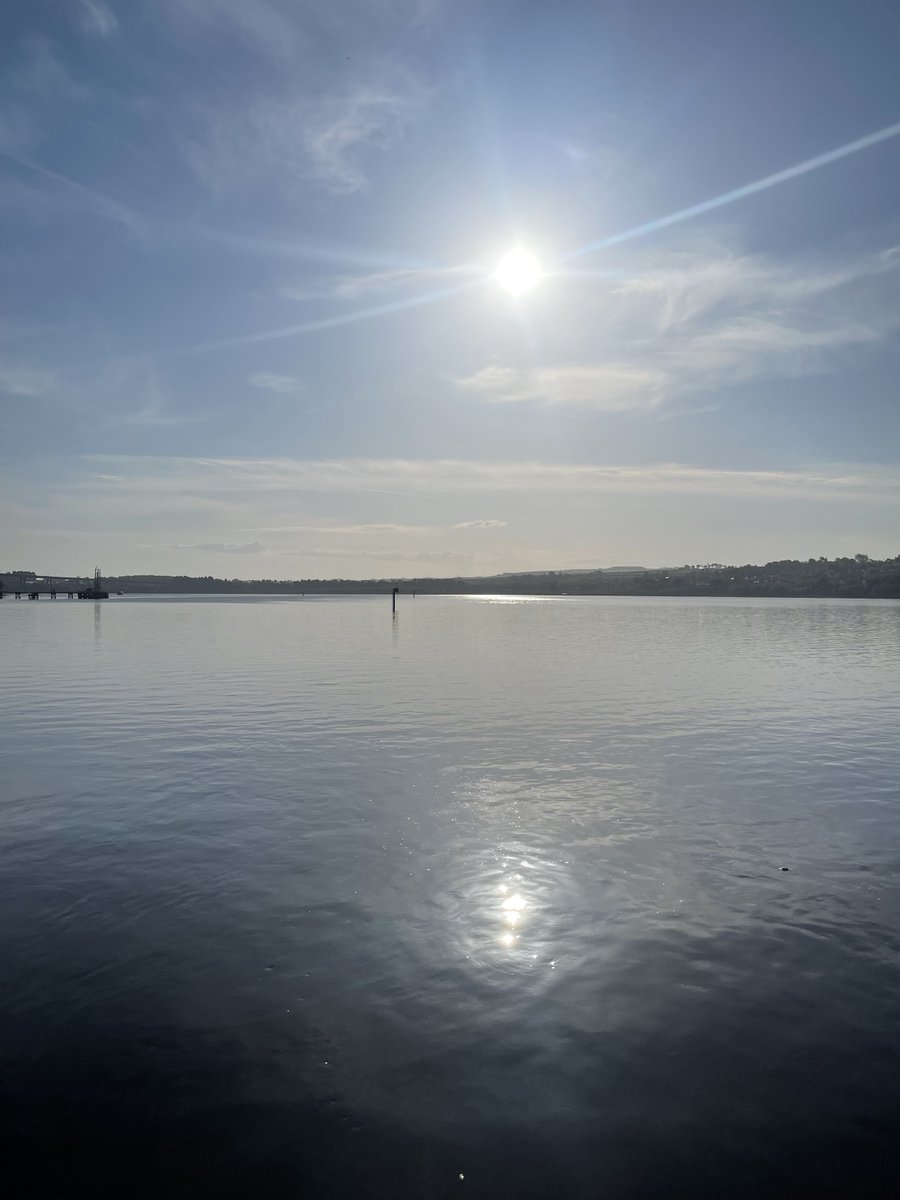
{"points": [[485, 901]]}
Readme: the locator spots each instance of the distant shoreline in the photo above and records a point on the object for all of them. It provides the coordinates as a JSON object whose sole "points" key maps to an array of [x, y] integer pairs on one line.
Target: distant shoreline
{"points": [[857, 578], [362, 595]]}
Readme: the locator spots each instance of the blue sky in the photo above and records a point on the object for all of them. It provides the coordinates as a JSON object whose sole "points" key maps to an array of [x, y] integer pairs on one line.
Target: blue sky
{"points": [[251, 326]]}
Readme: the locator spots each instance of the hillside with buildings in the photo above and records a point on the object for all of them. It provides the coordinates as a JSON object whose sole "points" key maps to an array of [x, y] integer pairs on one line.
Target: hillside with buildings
{"points": [[859, 577]]}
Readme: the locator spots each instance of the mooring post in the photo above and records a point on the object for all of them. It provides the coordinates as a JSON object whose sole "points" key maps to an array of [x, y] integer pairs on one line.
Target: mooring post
{"points": [[394, 599]]}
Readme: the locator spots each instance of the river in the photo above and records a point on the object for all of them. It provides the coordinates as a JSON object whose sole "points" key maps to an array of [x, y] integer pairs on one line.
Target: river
{"points": [[503, 897]]}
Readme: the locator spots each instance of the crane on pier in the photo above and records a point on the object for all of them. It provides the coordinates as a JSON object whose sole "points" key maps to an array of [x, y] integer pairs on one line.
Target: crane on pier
{"points": [[96, 592], [27, 583]]}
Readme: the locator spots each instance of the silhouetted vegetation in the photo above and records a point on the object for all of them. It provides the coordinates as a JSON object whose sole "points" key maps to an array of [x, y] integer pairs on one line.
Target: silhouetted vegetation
{"points": [[859, 577]]}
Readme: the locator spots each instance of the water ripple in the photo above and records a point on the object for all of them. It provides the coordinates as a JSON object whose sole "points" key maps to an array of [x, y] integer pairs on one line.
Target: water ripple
{"points": [[577, 896]]}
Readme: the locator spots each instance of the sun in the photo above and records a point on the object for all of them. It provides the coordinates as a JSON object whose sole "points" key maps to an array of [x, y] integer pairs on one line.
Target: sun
{"points": [[518, 271]]}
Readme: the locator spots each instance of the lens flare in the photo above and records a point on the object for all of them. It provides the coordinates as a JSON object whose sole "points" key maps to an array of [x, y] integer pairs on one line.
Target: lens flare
{"points": [[518, 271]]}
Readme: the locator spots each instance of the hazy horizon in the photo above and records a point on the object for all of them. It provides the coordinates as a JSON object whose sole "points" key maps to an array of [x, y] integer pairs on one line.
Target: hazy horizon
{"points": [[259, 328], [850, 577]]}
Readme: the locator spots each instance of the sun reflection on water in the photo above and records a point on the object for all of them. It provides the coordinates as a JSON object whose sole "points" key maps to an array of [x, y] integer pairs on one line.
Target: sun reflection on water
{"points": [[512, 911], [510, 892]]}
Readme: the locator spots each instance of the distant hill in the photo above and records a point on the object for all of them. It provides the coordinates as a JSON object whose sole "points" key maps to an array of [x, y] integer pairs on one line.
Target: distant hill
{"points": [[857, 577], [575, 571]]}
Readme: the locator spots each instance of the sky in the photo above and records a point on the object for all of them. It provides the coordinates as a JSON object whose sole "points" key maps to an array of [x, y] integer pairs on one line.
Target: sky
{"points": [[252, 326]]}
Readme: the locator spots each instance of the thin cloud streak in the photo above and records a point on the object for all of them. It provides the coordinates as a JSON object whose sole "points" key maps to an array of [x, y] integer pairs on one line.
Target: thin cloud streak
{"points": [[281, 385], [98, 18], [687, 323], [607, 387], [387, 555], [323, 133], [289, 331], [740, 193], [26, 381], [368, 529], [344, 530], [320, 250], [353, 287], [423, 477], [220, 547], [95, 201], [489, 523], [339, 128]]}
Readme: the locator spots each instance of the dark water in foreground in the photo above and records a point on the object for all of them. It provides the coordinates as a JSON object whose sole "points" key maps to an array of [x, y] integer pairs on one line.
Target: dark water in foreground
{"points": [[300, 901]]}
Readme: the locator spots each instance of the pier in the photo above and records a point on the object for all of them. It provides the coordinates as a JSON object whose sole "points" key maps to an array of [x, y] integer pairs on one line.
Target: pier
{"points": [[33, 586]]}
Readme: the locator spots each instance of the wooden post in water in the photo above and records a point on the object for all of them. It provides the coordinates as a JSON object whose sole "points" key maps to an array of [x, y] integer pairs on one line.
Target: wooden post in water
{"points": [[394, 592]]}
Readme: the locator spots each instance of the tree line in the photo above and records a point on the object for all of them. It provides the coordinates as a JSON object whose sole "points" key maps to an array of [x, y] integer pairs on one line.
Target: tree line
{"points": [[859, 577]]}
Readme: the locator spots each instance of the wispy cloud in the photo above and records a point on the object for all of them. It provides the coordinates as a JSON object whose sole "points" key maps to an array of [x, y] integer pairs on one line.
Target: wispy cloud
{"points": [[282, 385], [215, 506], [221, 547], [309, 249], [31, 92], [752, 347], [151, 416], [415, 556], [17, 129], [490, 523], [681, 287], [41, 72], [262, 25], [354, 287], [608, 387], [594, 160], [64, 193], [98, 18], [323, 136], [703, 319], [875, 138], [356, 553], [339, 131], [355, 315], [154, 409], [219, 478], [344, 530], [278, 28], [26, 381], [366, 530]]}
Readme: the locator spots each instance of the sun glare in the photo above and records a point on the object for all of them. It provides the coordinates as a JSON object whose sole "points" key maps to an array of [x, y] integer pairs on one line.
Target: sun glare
{"points": [[518, 271]]}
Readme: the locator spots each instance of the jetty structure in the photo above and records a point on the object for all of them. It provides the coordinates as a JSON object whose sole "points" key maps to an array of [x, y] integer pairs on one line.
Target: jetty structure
{"points": [[32, 587], [96, 592]]}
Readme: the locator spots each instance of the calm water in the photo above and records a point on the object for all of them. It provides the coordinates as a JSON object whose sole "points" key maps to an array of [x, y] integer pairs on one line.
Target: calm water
{"points": [[486, 901]]}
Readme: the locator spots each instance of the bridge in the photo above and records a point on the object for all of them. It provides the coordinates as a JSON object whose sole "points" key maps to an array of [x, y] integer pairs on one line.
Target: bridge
{"points": [[29, 585]]}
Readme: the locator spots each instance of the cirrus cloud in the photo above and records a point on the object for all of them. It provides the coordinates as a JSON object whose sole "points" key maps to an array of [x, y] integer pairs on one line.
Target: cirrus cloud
{"points": [[26, 381], [283, 385], [218, 479], [608, 387], [704, 320], [98, 18], [222, 547], [484, 524]]}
